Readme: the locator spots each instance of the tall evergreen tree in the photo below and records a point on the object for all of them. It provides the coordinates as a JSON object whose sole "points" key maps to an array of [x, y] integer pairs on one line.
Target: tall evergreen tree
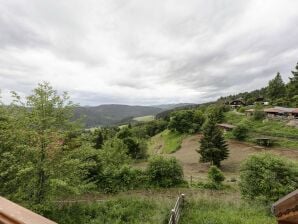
{"points": [[213, 146], [292, 89], [276, 88]]}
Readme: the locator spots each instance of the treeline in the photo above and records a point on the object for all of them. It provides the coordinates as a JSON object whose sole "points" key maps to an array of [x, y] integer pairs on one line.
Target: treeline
{"points": [[277, 92]]}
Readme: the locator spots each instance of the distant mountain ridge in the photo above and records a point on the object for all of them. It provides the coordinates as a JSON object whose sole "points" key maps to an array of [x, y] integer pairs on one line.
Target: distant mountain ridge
{"points": [[112, 114]]}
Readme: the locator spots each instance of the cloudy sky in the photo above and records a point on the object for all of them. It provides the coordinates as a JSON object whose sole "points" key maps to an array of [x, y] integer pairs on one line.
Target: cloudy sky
{"points": [[146, 52]]}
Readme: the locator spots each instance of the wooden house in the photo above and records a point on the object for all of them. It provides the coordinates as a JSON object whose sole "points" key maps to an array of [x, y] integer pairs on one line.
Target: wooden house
{"points": [[286, 209], [237, 103], [11, 213]]}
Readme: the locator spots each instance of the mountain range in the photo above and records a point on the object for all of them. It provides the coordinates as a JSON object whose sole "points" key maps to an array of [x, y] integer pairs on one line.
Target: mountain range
{"points": [[112, 114]]}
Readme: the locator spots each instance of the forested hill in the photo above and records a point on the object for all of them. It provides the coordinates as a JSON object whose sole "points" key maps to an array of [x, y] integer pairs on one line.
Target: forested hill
{"points": [[112, 113]]}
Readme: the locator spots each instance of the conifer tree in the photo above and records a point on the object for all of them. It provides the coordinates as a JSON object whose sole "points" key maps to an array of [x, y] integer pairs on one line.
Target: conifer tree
{"points": [[276, 88], [213, 146], [292, 89]]}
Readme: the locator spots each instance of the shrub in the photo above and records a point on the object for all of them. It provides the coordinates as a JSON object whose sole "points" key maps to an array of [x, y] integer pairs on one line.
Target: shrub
{"points": [[266, 177], [215, 177], [258, 115], [240, 132], [164, 172]]}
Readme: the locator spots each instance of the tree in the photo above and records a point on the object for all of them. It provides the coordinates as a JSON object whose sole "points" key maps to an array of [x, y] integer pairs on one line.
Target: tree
{"points": [[186, 121], [276, 88], [99, 139], [35, 164], [266, 177], [213, 147], [216, 113], [292, 87], [137, 148]]}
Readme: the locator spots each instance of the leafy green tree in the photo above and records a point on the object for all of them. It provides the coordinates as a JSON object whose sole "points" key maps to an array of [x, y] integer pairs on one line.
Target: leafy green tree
{"points": [[35, 165], [276, 88], [266, 177], [186, 121], [164, 172], [213, 146]]}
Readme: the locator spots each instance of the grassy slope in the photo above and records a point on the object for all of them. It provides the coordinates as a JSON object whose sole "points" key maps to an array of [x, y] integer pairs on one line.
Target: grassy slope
{"points": [[144, 118], [202, 207], [166, 142], [284, 135]]}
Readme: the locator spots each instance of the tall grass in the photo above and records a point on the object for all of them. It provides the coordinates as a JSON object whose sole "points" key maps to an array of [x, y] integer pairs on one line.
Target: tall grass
{"points": [[172, 141], [219, 212], [118, 211]]}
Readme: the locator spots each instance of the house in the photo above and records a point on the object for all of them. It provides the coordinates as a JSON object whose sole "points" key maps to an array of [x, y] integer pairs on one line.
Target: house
{"points": [[286, 209], [281, 112], [11, 213], [226, 127], [237, 103]]}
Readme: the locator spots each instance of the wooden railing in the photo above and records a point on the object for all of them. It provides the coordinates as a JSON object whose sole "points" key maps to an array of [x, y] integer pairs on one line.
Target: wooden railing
{"points": [[176, 211]]}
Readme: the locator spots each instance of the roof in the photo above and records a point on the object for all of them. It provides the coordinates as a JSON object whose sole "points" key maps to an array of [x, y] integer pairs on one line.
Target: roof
{"points": [[285, 109], [295, 111], [250, 110], [286, 209], [273, 110], [11, 213], [230, 126]]}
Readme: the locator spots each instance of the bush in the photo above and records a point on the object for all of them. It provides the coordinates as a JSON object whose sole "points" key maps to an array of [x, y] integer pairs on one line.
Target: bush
{"points": [[215, 177], [266, 177], [164, 172], [258, 115], [240, 132]]}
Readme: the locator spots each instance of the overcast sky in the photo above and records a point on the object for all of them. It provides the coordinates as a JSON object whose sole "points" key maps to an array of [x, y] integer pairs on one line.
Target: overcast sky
{"points": [[146, 52]]}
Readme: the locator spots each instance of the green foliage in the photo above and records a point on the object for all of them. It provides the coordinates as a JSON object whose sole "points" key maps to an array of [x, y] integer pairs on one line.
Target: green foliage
{"points": [[164, 172], [258, 114], [215, 177], [216, 113], [276, 88], [137, 148], [37, 162], [240, 132], [186, 121], [292, 87], [218, 211], [120, 211], [213, 147], [267, 178]]}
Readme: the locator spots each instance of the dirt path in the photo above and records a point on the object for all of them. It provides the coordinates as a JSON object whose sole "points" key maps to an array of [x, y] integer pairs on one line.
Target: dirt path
{"points": [[239, 151]]}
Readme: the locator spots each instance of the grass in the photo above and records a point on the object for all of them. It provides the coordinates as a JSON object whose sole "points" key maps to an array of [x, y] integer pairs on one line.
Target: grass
{"points": [[118, 211], [202, 207], [219, 212], [166, 142], [144, 118], [284, 135]]}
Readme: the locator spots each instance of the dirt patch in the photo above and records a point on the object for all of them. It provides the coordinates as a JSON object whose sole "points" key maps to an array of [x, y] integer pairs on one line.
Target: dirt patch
{"points": [[239, 151]]}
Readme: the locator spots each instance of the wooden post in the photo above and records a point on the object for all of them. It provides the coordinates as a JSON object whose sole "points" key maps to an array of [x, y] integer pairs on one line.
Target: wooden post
{"points": [[183, 198], [173, 216]]}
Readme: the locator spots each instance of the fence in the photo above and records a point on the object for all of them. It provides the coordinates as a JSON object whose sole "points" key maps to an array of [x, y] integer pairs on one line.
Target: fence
{"points": [[176, 211]]}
